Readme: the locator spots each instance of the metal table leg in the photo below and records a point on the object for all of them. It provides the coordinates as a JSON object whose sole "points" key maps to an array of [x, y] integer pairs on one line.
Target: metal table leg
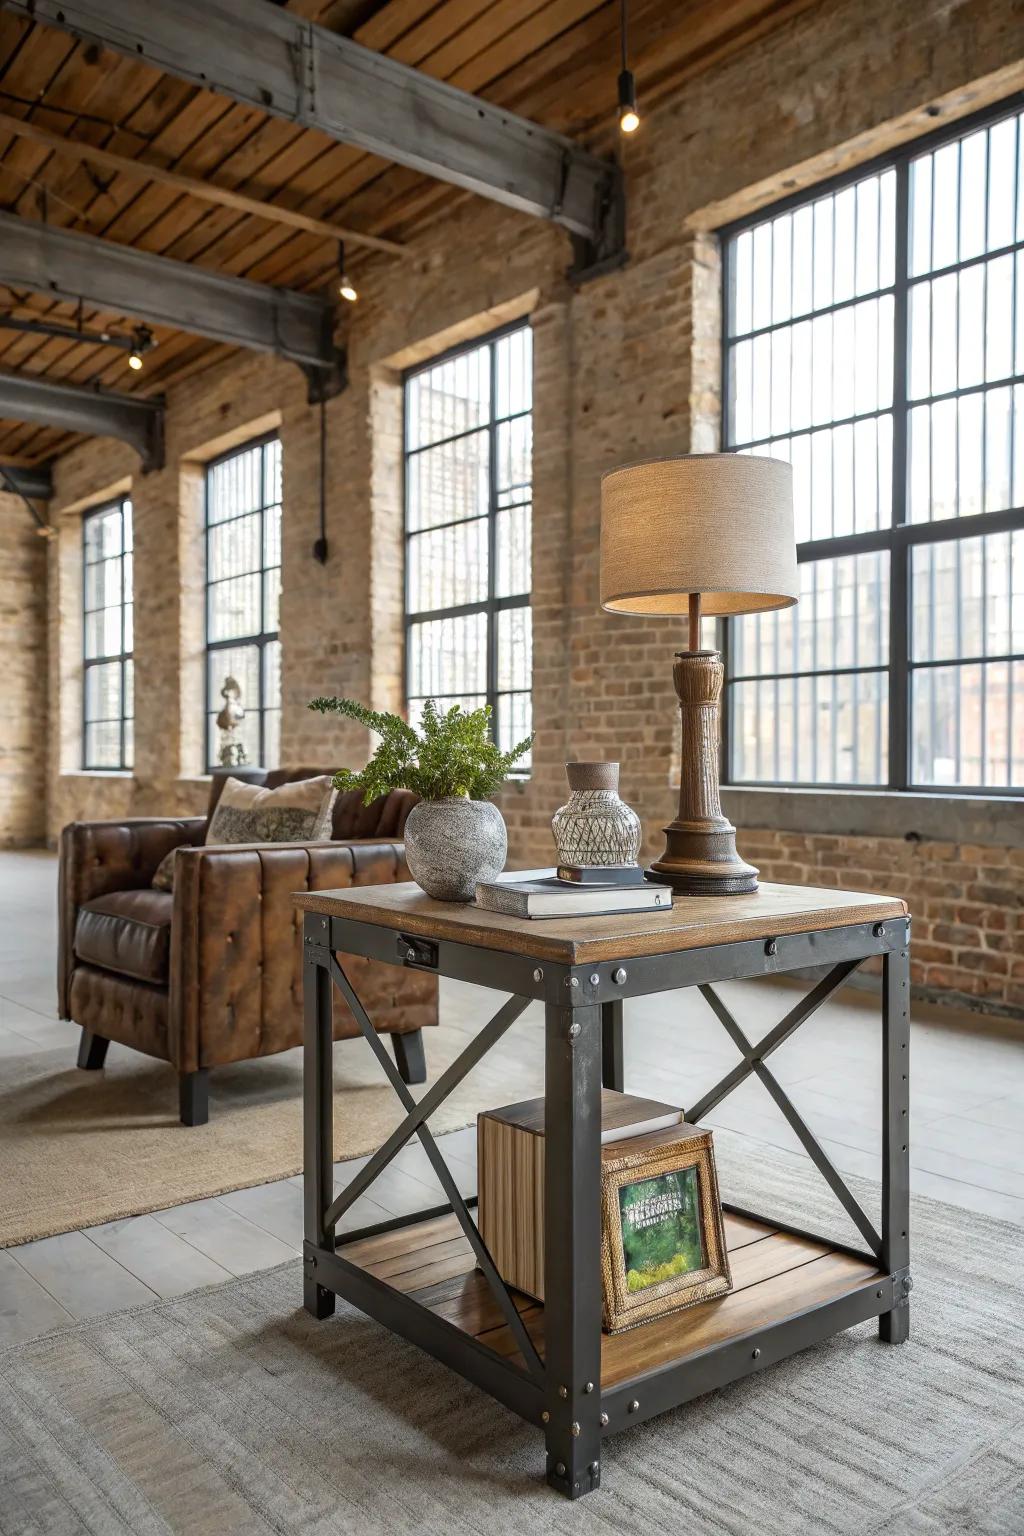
{"points": [[894, 1326], [317, 1119], [613, 1062], [572, 1248]]}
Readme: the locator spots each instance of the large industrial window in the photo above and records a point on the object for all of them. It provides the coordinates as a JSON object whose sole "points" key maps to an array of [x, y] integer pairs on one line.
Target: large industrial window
{"points": [[243, 596], [874, 337], [468, 442], [108, 705]]}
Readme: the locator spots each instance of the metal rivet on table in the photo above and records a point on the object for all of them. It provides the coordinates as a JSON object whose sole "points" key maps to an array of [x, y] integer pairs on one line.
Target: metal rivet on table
{"points": [[538, 974], [755, 1354], [634, 1405], [604, 1421], [595, 980], [879, 1295], [595, 1468], [574, 981], [574, 1429], [771, 947], [908, 1283], [574, 1030], [545, 1417], [620, 975], [410, 954], [563, 1392], [560, 1468], [878, 931], [589, 1387]]}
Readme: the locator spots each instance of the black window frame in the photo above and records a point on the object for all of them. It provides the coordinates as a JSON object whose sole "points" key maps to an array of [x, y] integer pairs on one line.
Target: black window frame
{"points": [[491, 605], [902, 536], [265, 637], [122, 656]]}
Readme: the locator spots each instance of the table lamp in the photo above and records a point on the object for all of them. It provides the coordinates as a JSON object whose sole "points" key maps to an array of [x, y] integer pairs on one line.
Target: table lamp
{"points": [[707, 533]]}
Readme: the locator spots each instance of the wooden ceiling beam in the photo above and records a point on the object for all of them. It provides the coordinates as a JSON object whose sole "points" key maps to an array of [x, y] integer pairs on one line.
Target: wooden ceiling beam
{"points": [[206, 191]]}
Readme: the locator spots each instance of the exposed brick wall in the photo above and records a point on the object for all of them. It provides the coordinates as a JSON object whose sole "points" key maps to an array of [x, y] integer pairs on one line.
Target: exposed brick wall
{"points": [[965, 901], [23, 679], [626, 367]]}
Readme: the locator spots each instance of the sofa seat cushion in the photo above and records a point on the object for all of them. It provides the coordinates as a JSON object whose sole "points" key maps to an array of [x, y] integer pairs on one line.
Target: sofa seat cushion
{"points": [[128, 932]]}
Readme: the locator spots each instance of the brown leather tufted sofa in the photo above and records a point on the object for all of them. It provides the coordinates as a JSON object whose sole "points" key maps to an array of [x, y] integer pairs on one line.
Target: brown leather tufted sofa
{"points": [[213, 973]]}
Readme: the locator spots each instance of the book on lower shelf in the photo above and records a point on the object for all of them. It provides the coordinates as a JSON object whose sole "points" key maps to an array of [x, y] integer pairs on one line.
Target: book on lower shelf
{"points": [[662, 1234], [551, 897]]}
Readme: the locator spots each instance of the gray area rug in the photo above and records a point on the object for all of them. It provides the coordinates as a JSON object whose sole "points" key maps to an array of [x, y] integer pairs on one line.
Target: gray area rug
{"points": [[231, 1411]]}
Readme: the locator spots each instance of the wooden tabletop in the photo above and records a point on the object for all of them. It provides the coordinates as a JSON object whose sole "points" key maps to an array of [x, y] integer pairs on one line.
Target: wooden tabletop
{"points": [[694, 921]]}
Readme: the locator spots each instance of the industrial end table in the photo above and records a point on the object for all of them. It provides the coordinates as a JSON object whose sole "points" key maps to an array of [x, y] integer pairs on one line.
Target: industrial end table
{"points": [[429, 1276]]}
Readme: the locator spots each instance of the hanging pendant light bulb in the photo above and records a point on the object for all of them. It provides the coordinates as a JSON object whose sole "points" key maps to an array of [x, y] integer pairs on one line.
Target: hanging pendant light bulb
{"points": [[346, 287], [629, 116], [142, 342]]}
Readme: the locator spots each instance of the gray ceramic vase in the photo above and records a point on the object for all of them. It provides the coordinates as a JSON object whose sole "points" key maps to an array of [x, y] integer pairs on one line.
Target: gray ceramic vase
{"points": [[451, 844], [595, 827]]}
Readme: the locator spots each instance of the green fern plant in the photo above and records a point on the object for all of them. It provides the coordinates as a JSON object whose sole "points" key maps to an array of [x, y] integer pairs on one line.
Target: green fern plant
{"points": [[452, 756]]}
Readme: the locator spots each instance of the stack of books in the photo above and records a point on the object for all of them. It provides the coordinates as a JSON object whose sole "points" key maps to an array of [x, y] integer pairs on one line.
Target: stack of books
{"points": [[576, 891]]}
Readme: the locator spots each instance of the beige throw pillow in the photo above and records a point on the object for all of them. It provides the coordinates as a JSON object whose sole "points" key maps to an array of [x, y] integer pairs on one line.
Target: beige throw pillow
{"points": [[299, 812]]}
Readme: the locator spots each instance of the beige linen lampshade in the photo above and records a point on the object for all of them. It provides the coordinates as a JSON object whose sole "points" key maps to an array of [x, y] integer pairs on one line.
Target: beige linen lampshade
{"points": [[718, 524]]}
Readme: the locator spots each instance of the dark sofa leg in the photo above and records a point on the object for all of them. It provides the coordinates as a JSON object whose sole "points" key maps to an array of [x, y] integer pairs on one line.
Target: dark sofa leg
{"points": [[409, 1057], [194, 1097], [92, 1051]]}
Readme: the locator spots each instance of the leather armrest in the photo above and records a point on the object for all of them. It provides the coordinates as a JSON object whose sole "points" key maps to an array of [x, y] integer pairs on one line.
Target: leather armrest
{"points": [[97, 857], [236, 940]]}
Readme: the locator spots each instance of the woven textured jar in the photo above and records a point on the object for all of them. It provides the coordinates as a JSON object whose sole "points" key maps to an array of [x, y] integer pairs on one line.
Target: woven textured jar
{"points": [[595, 827]]}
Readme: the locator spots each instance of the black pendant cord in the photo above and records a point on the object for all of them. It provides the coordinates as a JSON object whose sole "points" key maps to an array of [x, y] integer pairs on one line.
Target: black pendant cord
{"points": [[320, 546], [623, 13]]}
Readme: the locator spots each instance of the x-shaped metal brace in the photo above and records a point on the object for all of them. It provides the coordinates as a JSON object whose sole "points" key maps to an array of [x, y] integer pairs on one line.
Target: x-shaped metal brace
{"points": [[414, 1124], [754, 1062]]}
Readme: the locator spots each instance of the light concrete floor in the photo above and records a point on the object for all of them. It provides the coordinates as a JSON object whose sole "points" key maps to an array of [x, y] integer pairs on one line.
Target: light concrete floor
{"points": [[967, 1137]]}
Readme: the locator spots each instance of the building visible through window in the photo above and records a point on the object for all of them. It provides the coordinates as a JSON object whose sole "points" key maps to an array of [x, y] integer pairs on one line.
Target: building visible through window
{"points": [[874, 337]]}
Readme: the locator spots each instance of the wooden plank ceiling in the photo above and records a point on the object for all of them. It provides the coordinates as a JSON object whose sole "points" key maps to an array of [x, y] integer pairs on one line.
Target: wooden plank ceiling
{"points": [[552, 60]]}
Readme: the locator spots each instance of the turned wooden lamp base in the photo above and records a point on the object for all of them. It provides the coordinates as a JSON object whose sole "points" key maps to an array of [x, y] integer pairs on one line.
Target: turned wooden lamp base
{"points": [[700, 857]]}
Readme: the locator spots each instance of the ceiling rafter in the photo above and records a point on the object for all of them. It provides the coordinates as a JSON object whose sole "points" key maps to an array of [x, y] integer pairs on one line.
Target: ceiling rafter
{"points": [[294, 69]]}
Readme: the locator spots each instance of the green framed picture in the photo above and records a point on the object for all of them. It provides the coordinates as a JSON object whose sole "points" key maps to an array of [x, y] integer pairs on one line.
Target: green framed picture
{"points": [[663, 1238], [662, 1230]]}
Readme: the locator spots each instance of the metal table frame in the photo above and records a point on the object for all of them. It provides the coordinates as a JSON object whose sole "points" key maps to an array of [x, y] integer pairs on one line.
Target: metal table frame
{"points": [[583, 1048]]}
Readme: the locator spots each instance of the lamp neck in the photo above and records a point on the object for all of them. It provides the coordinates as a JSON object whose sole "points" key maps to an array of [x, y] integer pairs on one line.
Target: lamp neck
{"points": [[694, 643]]}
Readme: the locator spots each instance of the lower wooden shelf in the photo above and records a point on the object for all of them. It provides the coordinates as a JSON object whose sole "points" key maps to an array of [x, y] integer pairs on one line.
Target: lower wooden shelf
{"points": [[775, 1276]]}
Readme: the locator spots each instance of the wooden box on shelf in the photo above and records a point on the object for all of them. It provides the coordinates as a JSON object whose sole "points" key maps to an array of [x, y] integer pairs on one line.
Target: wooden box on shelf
{"points": [[662, 1240]]}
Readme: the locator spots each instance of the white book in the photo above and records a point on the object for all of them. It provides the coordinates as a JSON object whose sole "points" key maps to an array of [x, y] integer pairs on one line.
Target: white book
{"points": [[554, 898]]}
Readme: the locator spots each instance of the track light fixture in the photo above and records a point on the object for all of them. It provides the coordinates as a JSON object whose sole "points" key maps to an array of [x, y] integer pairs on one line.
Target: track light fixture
{"points": [[629, 116], [142, 342], [346, 287]]}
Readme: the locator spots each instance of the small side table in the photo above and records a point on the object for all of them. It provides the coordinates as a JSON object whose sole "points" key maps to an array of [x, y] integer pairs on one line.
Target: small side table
{"points": [[429, 1277]]}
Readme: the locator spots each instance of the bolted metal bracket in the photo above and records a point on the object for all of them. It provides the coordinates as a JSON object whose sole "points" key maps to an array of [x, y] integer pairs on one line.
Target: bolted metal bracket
{"points": [[325, 383], [607, 251]]}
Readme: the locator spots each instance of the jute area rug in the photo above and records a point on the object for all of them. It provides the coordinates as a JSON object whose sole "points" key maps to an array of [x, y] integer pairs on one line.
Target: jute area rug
{"points": [[78, 1148], [231, 1411]]}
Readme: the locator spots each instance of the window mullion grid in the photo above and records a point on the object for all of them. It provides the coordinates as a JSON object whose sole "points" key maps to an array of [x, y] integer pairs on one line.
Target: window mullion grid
{"points": [[124, 667], [263, 598], [899, 557], [492, 541]]}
